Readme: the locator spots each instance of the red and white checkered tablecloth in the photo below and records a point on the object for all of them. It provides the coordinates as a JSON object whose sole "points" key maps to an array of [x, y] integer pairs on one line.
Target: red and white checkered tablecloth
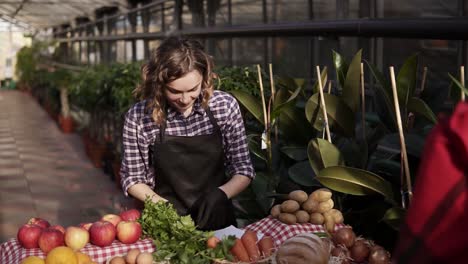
{"points": [[280, 232], [11, 252]]}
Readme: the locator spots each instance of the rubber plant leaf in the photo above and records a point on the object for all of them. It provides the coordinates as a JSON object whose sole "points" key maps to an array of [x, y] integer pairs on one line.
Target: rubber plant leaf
{"points": [[394, 216], [458, 84], [384, 90], [406, 79], [323, 154], [302, 174], [355, 181], [341, 67], [250, 103], [340, 116], [417, 105], [324, 76], [295, 153], [351, 89]]}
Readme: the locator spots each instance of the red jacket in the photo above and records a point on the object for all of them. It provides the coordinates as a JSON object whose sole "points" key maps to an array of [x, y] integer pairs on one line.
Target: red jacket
{"points": [[436, 226]]}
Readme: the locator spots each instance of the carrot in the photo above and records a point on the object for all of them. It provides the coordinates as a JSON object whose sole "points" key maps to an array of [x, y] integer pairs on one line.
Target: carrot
{"points": [[238, 250], [266, 246], [249, 239]]}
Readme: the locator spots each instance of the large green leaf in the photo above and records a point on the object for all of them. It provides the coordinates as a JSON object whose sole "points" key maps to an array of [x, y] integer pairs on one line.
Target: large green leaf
{"points": [[255, 147], [341, 67], [384, 91], [250, 103], [323, 154], [291, 100], [294, 126], [351, 87], [295, 153], [458, 84], [417, 105], [414, 144], [302, 174], [394, 217], [324, 76], [354, 181], [406, 79], [340, 116], [260, 188]]}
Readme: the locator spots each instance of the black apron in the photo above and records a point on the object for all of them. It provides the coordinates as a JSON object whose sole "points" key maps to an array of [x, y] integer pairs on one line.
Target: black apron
{"points": [[188, 167]]}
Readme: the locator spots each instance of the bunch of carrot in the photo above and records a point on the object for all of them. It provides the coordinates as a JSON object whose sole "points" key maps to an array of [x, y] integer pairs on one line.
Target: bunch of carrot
{"points": [[249, 249]]}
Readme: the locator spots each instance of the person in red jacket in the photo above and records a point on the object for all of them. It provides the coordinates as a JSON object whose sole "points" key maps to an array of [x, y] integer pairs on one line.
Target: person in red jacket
{"points": [[435, 229]]}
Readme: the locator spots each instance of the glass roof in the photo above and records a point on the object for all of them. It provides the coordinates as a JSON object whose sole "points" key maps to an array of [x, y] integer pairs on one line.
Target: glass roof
{"points": [[39, 14]]}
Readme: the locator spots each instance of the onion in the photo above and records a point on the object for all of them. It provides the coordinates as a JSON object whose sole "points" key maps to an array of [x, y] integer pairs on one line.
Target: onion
{"points": [[379, 256], [344, 236], [359, 252]]}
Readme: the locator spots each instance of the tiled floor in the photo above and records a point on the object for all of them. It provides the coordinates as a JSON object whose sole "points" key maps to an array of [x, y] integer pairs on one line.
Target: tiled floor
{"points": [[45, 173]]}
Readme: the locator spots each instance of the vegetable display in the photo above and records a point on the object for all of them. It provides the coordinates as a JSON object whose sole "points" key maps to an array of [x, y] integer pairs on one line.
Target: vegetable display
{"points": [[176, 238]]}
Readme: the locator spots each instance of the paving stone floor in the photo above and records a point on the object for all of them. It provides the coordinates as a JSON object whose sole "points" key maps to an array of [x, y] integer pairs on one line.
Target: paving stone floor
{"points": [[45, 173]]}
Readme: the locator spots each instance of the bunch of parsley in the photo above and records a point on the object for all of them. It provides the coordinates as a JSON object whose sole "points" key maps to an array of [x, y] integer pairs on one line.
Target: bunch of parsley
{"points": [[176, 238]]}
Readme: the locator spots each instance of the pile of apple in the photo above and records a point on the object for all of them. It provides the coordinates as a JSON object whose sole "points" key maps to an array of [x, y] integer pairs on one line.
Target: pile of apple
{"points": [[38, 233]]}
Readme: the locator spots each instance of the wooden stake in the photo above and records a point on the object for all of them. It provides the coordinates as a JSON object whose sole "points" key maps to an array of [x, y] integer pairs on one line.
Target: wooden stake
{"points": [[402, 137], [423, 83], [462, 81], [322, 102], [363, 103], [329, 87], [263, 96], [272, 98]]}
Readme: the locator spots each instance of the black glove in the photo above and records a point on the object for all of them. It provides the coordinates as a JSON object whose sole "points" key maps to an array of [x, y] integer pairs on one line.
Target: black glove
{"points": [[213, 210]]}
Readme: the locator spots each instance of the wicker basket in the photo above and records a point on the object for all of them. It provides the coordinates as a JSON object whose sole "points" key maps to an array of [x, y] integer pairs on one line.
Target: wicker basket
{"points": [[268, 260]]}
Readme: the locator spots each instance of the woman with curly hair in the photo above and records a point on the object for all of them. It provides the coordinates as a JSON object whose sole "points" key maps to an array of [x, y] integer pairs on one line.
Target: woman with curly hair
{"points": [[184, 142]]}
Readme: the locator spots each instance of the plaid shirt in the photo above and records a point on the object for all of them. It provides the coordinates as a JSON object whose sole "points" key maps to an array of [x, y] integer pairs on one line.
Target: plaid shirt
{"points": [[140, 132]]}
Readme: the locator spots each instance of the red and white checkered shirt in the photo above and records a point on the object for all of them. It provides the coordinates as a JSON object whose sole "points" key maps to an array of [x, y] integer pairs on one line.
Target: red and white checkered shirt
{"points": [[140, 132]]}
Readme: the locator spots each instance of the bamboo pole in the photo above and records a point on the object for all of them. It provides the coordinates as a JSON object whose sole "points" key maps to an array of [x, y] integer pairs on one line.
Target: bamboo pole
{"points": [[272, 98], [423, 83], [322, 102], [402, 137], [363, 104], [462, 81], [263, 96]]}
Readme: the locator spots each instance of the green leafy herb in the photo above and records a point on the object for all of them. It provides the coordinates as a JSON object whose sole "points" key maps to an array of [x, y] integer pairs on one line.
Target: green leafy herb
{"points": [[176, 238]]}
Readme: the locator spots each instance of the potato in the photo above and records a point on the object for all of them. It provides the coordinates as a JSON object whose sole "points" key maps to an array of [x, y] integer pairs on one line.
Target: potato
{"points": [[299, 196], [321, 195], [325, 206], [310, 206], [329, 223], [316, 219], [302, 216], [286, 218], [276, 210], [290, 206], [337, 216]]}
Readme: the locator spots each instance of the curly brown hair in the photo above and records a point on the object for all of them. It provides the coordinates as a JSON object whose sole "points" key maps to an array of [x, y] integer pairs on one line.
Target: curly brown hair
{"points": [[173, 59]]}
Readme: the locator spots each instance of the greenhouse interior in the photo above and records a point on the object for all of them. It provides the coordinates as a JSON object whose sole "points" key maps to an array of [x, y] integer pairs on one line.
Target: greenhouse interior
{"points": [[233, 131]]}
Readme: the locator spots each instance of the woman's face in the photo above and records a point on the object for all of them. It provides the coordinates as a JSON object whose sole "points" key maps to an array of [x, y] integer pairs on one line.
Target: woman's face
{"points": [[182, 93]]}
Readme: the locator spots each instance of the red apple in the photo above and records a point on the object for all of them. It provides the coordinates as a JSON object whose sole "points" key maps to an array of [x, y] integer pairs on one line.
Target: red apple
{"points": [[39, 221], [128, 232], [59, 228], [130, 215], [85, 225], [113, 218], [50, 239], [76, 238], [28, 235], [102, 233]]}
